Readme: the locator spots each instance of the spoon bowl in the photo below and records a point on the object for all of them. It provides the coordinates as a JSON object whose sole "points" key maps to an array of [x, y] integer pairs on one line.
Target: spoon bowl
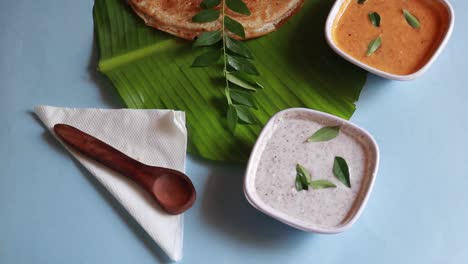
{"points": [[171, 189], [174, 192]]}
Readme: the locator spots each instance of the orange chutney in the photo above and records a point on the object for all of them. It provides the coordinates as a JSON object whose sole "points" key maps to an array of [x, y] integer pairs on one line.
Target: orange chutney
{"points": [[404, 49]]}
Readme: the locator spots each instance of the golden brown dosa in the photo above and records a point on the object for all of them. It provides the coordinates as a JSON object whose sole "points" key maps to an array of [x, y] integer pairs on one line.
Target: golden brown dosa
{"points": [[175, 16]]}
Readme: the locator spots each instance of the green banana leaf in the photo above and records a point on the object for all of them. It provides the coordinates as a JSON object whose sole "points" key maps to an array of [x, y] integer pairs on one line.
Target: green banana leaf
{"points": [[151, 69]]}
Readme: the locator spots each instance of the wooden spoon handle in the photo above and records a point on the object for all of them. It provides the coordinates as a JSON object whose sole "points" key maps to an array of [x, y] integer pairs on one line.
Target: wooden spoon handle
{"points": [[105, 154]]}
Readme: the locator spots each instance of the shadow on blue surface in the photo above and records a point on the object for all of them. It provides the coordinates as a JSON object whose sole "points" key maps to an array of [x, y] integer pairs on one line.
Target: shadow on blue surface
{"points": [[108, 93], [375, 86], [225, 209]]}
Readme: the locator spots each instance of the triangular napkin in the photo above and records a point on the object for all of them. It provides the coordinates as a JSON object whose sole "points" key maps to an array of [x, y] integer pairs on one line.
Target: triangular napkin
{"points": [[154, 137]]}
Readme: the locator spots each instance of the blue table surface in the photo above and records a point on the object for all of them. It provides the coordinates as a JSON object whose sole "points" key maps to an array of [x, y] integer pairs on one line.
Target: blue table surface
{"points": [[53, 211]]}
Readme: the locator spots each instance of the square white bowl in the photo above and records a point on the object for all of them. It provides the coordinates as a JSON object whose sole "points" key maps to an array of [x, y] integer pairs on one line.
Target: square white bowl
{"points": [[335, 11], [365, 139]]}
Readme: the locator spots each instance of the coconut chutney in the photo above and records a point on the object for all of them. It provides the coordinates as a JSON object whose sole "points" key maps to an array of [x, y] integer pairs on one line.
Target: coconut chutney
{"points": [[274, 171]]}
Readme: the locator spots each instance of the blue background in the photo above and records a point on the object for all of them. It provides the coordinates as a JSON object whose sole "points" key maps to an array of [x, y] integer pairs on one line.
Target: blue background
{"points": [[53, 211]]}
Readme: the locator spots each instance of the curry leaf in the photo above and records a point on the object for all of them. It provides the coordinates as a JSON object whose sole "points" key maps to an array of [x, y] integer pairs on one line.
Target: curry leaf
{"points": [[231, 118], [324, 134], [242, 64], [412, 20], [206, 15], [374, 17], [240, 81], [303, 177], [238, 47], [230, 49], [208, 58], [299, 185], [209, 3], [341, 171], [234, 26], [374, 45], [208, 38], [249, 78], [361, 2], [238, 6], [321, 184], [304, 180], [243, 98], [245, 115]]}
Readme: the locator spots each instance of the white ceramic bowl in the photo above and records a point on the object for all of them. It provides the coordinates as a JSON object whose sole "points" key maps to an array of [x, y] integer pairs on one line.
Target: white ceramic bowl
{"points": [[335, 11], [372, 157]]}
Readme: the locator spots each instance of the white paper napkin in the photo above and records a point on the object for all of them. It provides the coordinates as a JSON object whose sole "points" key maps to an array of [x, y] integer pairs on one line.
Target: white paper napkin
{"points": [[154, 137]]}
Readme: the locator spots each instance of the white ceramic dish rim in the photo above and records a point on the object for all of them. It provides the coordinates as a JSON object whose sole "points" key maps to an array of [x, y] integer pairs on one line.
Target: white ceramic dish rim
{"points": [[328, 33], [249, 191]]}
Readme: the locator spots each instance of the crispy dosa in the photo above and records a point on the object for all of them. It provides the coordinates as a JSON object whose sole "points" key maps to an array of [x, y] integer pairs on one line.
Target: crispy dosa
{"points": [[175, 16]]}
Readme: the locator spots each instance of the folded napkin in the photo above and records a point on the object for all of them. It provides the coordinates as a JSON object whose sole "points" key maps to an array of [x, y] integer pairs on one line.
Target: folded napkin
{"points": [[154, 137]]}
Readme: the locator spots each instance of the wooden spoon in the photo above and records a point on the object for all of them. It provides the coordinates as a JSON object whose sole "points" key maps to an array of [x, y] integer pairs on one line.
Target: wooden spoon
{"points": [[172, 189]]}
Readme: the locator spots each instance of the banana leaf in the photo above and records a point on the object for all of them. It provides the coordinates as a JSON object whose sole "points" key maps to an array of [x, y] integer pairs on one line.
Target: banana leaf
{"points": [[152, 69]]}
